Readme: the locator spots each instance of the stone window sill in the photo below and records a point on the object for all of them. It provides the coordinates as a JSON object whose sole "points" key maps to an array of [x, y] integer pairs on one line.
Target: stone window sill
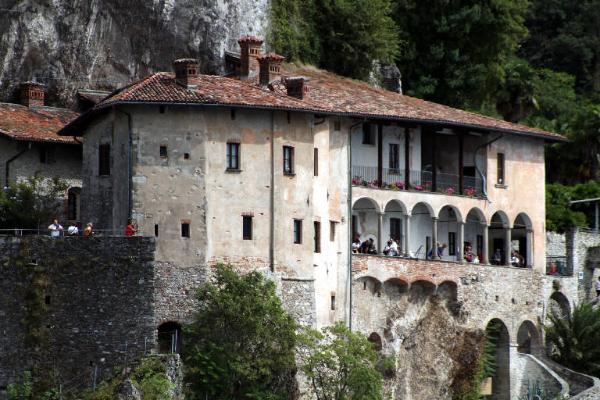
{"points": [[501, 186], [233, 170], [289, 174]]}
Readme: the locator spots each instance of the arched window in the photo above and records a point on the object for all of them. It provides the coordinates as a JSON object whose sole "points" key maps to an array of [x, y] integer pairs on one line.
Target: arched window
{"points": [[169, 338], [73, 196]]}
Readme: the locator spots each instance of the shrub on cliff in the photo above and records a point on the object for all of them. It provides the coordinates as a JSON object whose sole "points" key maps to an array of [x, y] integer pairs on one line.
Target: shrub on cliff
{"points": [[575, 339], [340, 364], [241, 344]]}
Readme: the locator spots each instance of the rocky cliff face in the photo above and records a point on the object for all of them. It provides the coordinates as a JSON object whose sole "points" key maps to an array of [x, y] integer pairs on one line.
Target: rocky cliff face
{"points": [[104, 44]]}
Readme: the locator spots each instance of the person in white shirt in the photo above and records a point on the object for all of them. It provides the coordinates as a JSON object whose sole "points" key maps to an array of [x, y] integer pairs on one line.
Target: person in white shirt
{"points": [[73, 230], [598, 287], [55, 229]]}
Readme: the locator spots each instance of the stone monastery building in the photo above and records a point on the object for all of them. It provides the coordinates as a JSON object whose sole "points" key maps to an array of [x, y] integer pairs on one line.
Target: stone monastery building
{"points": [[279, 167]]}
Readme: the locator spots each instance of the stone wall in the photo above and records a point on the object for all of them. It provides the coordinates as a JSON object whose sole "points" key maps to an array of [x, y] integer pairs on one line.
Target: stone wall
{"points": [[74, 305]]}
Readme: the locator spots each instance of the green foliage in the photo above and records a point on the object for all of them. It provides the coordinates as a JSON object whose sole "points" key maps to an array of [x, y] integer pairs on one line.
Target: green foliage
{"points": [[32, 203], [560, 216], [22, 390], [343, 36], [339, 364], [564, 36], [149, 377], [455, 51], [575, 339], [241, 344]]}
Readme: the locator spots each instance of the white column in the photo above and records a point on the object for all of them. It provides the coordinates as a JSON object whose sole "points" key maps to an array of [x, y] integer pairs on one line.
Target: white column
{"points": [[529, 244], [461, 239], [380, 233], [434, 239], [507, 245], [485, 253], [406, 235]]}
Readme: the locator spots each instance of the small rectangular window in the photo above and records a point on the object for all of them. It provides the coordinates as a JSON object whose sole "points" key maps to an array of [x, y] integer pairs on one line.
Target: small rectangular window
{"points": [[297, 231], [163, 151], [333, 302], [233, 156], [232, 113], [337, 125], [316, 162], [317, 237], [367, 134], [186, 156], [394, 161], [47, 155], [247, 227], [332, 231], [354, 227], [500, 161], [156, 230], [451, 243], [185, 229], [288, 160], [104, 159]]}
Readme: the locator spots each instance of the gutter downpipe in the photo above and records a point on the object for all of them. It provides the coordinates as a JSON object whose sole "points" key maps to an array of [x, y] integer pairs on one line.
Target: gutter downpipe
{"points": [[129, 164], [350, 238], [13, 158], [272, 196], [483, 178]]}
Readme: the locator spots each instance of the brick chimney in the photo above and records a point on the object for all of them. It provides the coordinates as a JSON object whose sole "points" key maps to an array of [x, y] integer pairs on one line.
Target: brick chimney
{"points": [[185, 69], [297, 87], [270, 67], [32, 94], [249, 51]]}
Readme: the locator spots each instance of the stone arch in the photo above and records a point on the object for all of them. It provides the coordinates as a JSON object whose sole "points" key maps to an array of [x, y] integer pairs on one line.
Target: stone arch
{"points": [[522, 239], [376, 340], [421, 230], [448, 226], [559, 305], [497, 334], [475, 224], [395, 288], [498, 248], [365, 219], [169, 337], [373, 285], [420, 291], [448, 290], [73, 203], [394, 226], [528, 338], [395, 205], [452, 210]]}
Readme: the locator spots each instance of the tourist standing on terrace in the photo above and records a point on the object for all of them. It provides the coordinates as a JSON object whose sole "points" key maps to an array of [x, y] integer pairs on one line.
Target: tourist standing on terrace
{"points": [[55, 229], [129, 229]]}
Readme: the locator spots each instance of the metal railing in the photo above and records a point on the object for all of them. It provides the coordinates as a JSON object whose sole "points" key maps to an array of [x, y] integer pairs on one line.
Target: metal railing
{"points": [[419, 180], [18, 232]]}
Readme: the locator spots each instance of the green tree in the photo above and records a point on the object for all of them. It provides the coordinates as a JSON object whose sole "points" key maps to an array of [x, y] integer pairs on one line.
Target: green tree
{"points": [[559, 214], [241, 343], [340, 364], [575, 339], [455, 51], [565, 36], [343, 36], [31, 203]]}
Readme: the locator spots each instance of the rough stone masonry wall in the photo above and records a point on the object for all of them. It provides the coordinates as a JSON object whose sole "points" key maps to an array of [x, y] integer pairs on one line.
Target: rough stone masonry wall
{"points": [[73, 305]]}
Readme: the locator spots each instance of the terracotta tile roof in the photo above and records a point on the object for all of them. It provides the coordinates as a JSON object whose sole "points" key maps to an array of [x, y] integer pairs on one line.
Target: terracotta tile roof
{"points": [[38, 124], [328, 94]]}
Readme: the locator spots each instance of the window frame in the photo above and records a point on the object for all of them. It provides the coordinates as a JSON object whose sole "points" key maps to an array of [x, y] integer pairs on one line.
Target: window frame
{"points": [[185, 229], [163, 151], [288, 160], [247, 227], [332, 230], [500, 169], [297, 231], [367, 134], [316, 161], [232, 160], [394, 156], [451, 243], [317, 236], [104, 166]]}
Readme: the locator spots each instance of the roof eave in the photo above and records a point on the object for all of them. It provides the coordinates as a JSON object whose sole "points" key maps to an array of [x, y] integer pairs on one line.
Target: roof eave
{"points": [[83, 119]]}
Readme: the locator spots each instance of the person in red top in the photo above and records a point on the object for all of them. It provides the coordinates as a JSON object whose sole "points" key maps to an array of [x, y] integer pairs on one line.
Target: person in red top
{"points": [[129, 229]]}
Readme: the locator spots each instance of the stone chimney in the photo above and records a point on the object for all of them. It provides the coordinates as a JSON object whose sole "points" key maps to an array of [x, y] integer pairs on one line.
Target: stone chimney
{"points": [[297, 87], [270, 68], [32, 94], [185, 69], [391, 78], [249, 51]]}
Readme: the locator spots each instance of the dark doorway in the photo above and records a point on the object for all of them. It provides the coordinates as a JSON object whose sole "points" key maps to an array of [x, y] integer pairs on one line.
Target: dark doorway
{"points": [[169, 338]]}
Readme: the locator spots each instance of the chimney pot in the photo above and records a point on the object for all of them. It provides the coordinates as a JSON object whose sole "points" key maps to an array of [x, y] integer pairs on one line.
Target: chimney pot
{"points": [[297, 87], [270, 67], [249, 51], [185, 69], [32, 94]]}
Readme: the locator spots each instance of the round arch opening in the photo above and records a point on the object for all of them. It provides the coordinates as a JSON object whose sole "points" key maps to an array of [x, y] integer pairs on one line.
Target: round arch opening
{"points": [[169, 337]]}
